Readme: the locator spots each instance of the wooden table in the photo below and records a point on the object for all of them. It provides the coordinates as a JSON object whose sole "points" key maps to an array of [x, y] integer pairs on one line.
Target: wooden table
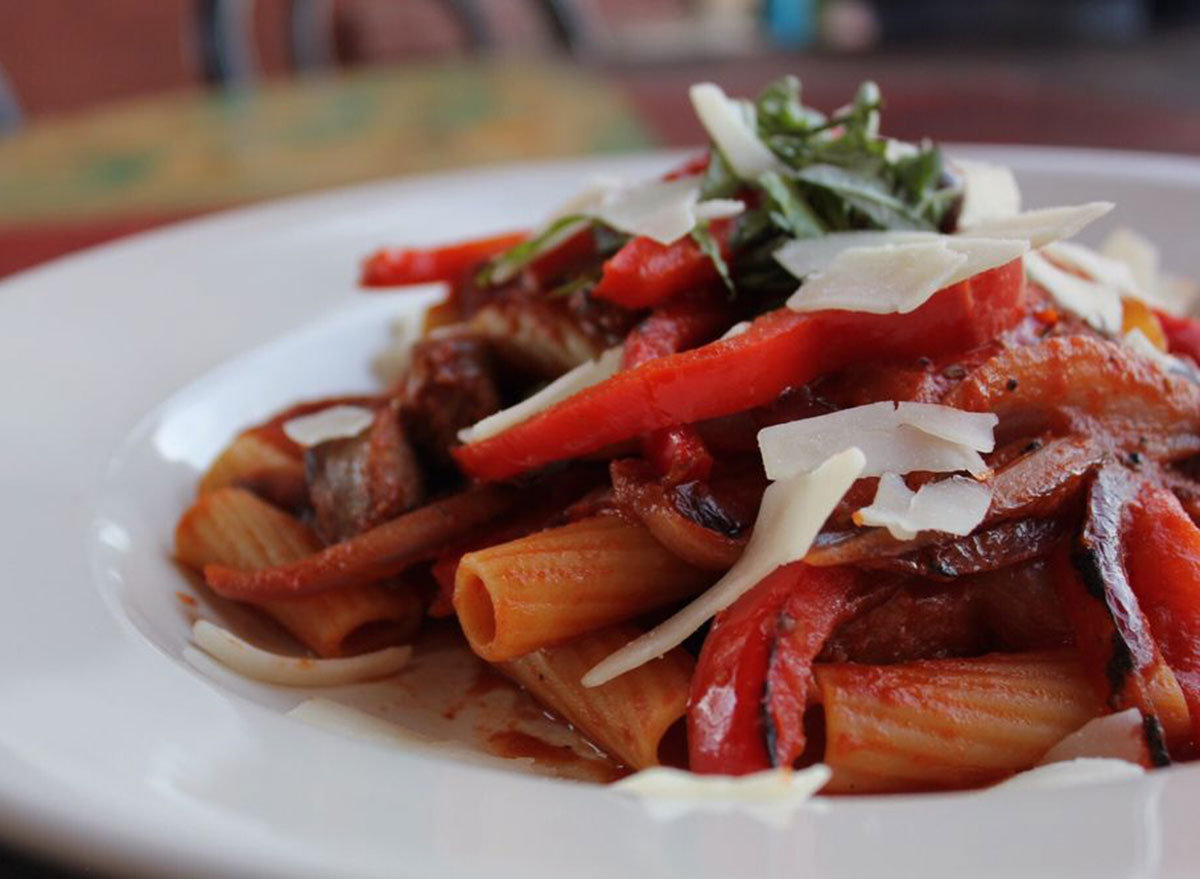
{"points": [[70, 182]]}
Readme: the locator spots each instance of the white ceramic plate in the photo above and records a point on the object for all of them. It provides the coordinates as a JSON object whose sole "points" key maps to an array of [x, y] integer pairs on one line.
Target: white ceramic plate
{"points": [[123, 369]]}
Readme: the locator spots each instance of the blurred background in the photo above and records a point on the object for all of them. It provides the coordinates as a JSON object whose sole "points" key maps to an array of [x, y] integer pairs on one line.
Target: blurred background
{"points": [[119, 115]]}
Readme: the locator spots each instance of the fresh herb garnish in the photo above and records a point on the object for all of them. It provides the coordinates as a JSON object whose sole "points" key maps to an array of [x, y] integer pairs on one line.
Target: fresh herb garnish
{"points": [[505, 266], [838, 175], [703, 237]]}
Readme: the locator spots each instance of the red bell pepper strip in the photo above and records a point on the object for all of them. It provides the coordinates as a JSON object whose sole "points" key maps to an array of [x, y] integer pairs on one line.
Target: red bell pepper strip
{"points": [[1162, 556], [1183, 334], [394, 266], [781, 349], [644, 273], [678, 452], [749, 693]]}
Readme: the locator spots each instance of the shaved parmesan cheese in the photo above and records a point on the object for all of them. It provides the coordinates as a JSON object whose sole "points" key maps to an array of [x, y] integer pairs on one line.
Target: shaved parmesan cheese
{"points": [[989, 192], [807, 256], [718, 209], [952, 506], [732, 133], [1040, 227], [1171, 294], [771, 795], [896, 276], [792, 512], [736, 330], [880, 280], [294, 671], [578, 379], [1136, 340], [336, 422], [1121, 736], [1072, 773], [1136, 252], [1101, 269], [983, 253], [1097, 304], [663, 210], [895, 438]]}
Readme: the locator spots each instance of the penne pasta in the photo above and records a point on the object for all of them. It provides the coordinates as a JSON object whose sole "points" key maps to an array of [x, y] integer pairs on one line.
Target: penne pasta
{"points": [[251, 461], [557, 584], [634, 718], [235, 528], [949, 722]]}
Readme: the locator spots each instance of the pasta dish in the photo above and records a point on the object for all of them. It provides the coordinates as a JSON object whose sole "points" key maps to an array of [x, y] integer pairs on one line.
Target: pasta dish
{"points": [[816, 450]]}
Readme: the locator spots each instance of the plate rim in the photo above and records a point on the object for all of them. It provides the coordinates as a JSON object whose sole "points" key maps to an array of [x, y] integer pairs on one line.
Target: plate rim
{"points": [[33, 825]]}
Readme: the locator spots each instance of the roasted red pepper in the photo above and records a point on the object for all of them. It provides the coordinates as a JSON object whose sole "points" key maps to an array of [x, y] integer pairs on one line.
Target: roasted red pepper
{"points": [[780, 350], [644, 273], [1183, 334], [394, 266], [1162, 556], [749, 692], [677, 452]]}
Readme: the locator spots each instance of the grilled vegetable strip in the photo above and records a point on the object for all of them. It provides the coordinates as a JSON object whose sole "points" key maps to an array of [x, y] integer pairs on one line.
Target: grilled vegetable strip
{"points": [[781, 349]]}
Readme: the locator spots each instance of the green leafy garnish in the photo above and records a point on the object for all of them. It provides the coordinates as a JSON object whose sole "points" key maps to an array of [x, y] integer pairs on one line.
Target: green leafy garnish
{"points": [[702, 235], [503, 267]]}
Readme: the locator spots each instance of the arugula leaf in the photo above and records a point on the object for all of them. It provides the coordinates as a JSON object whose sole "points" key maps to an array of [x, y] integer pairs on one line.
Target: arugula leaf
{"points": [[702, 235], [778, 109], [503, 267], [788, 209], [867, 194], [719, 179]]}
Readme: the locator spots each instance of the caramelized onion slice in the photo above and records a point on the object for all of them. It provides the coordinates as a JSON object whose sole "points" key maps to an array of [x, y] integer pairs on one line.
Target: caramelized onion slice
{"points": [[637, 491]]}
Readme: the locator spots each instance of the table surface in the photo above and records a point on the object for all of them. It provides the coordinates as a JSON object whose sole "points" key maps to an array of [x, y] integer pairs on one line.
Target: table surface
{"points": [[69, 182], [66, 183]]}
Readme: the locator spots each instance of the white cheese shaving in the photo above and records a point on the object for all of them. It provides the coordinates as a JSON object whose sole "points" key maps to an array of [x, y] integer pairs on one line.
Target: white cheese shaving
{"points": [[1042, 226], [1120, 736], [899, 274], [1136, 340], [718, 209], [1171, 294], [952, 506], [663, 210], [1136, 252], [792, 513], [567, 385], [989, 192], [1103, 270], [895, 438], [336, 422], [880, 280], [732, 133], [1072, 773], [771, 795], [294, 671], [807, 256], [1097, 304]]}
